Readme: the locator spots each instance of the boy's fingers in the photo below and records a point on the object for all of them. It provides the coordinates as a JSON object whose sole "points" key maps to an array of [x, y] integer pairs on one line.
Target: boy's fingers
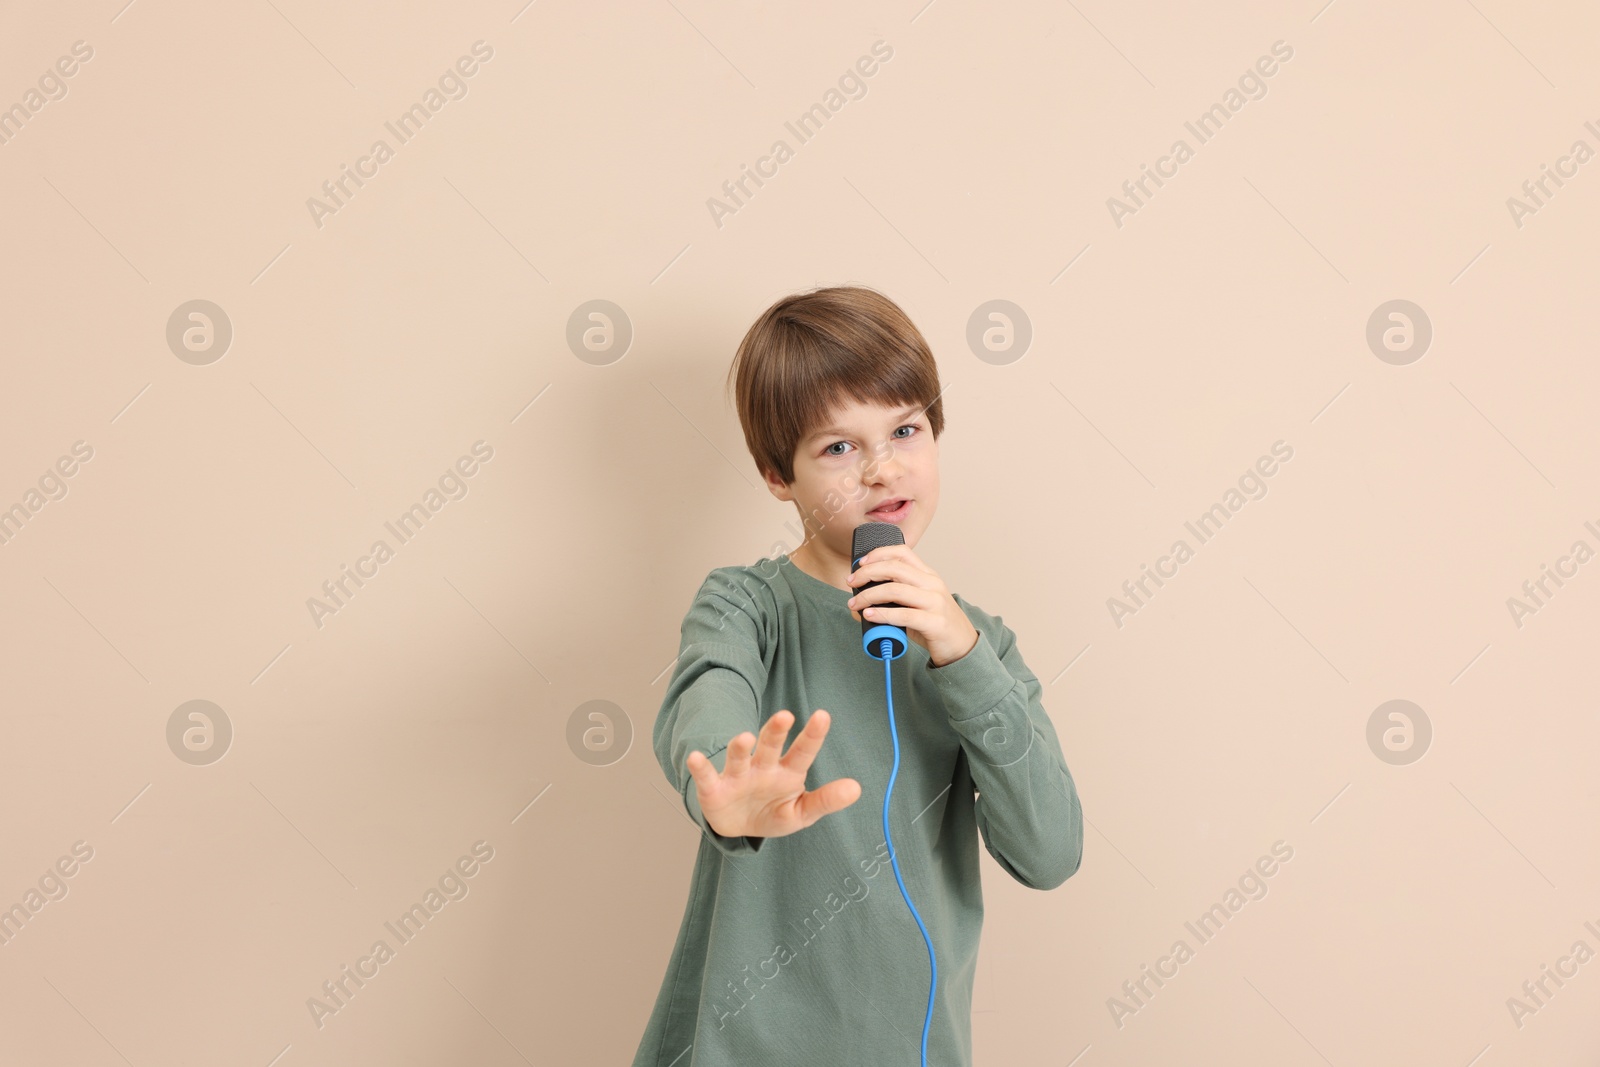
{"points": [[738, 754], [770, 745], [905, 555], [702, 770], [805, 747], [907, 596], [890, 570], [893, 616]]}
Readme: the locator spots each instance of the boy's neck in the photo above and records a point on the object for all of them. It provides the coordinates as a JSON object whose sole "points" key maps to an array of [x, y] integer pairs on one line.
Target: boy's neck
{"points": [[833, 570]]}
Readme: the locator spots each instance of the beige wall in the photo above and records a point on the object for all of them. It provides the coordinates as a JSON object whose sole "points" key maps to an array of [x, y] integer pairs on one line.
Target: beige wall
{"points": [[368, 751]]}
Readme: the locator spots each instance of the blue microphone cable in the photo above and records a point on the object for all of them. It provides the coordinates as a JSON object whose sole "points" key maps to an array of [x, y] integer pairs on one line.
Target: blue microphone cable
{"points": [[889, 642], [886, 652]]}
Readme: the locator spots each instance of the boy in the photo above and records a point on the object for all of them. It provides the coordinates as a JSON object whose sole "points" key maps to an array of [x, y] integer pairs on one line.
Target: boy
{"points": [[796, 946]]}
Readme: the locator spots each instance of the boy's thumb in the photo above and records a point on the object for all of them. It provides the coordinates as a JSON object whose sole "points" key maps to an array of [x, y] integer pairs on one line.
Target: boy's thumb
{"points": [[836, 795]]}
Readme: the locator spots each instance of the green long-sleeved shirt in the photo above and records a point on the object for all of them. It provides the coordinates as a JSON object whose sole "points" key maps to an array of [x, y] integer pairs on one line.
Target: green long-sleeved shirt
{"points": [[800, 950]]}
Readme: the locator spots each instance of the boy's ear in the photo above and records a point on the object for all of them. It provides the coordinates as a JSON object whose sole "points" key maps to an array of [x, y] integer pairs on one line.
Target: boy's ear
{"points": [[777, 485]]}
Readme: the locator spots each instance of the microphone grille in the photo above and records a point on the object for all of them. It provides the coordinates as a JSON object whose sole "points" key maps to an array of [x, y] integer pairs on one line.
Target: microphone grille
{"points": [[871, 535]]}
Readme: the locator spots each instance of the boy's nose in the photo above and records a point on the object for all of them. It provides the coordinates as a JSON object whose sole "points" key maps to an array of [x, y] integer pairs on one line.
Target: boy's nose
{"points": [[884, 469]]}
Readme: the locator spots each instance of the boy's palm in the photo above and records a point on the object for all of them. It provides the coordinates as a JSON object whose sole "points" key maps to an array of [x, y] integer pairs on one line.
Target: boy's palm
{"points": [[763, 795]]}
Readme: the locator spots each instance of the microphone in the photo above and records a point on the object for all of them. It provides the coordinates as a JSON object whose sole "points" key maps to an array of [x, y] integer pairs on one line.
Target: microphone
{"points": [[868, 536]]}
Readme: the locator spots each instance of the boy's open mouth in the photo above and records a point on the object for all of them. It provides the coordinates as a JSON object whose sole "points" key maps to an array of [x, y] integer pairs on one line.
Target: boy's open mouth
{"points": [[891, 510]]}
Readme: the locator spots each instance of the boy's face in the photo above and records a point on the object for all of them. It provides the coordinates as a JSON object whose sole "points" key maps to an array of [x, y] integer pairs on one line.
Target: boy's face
{"points": [[862, 456]]}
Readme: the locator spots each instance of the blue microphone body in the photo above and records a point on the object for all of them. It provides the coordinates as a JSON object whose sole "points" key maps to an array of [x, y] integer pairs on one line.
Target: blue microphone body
{"points": [[868, 536]]}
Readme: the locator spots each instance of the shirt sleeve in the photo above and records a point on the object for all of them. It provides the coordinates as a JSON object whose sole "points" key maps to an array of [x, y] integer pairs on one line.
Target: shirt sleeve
{"points": [[715, 690], [1027, 807]]}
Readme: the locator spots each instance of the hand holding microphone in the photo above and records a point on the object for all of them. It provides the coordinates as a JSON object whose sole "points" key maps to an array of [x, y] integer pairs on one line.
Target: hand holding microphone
{"points": [[904, 592], [881, 640]]}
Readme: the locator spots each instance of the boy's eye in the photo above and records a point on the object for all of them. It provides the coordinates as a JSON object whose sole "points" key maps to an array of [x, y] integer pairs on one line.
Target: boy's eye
{"points": [[829, 451]]}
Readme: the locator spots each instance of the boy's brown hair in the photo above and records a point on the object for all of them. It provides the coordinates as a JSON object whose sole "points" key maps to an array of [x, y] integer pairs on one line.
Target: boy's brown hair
{"points": [[809, 350]]}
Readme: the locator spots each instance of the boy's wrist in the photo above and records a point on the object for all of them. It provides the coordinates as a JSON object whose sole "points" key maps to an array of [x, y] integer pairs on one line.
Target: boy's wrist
{"points": [[972, 642]]}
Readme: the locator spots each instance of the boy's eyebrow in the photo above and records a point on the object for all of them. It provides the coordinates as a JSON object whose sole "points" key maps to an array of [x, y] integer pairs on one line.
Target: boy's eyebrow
{"points": [[902, 413]]}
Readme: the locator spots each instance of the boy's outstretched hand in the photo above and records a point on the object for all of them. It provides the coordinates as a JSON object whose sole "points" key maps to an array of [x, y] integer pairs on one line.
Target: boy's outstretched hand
{"points": [[765, 795]]}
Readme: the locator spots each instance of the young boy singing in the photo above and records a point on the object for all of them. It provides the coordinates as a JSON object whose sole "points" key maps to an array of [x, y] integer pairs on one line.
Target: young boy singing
{"points": [[796, 946]]}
